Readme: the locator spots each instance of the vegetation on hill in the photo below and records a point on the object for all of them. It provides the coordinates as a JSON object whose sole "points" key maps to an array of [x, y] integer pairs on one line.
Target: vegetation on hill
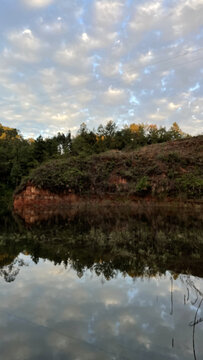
{"points": [[85, 162], [171, 169]]}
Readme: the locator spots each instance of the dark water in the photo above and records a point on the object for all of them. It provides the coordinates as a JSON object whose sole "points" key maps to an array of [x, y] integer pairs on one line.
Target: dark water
{"points": [[102, 288]]}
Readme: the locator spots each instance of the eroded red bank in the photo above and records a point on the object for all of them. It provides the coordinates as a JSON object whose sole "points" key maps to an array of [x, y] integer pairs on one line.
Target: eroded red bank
{"points": [[34, 196], [33, 204]]}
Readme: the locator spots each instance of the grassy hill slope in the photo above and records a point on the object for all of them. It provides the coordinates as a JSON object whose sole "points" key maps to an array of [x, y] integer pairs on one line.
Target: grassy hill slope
{"points": [[171, 169]]}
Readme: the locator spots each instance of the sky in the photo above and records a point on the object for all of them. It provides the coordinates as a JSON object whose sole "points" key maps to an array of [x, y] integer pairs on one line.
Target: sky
{"points": [[65, 62]]}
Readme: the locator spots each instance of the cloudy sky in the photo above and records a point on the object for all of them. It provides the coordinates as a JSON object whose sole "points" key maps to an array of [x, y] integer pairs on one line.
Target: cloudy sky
{"points": [[64, 62]]}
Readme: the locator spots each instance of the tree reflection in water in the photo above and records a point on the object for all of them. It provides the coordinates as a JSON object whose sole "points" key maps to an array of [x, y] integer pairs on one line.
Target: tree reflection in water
{"points": [[193, 292], [9, 272], [145, 243]]}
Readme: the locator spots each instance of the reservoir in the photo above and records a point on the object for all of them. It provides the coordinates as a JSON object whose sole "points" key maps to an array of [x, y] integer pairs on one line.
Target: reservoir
{"points": [[103, 287]]}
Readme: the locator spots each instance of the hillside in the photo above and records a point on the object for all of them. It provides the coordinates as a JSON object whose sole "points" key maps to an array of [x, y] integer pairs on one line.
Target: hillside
{"points": [[172, 169]]}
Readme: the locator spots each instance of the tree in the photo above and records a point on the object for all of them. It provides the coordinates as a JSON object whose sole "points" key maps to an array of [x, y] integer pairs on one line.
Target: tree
{"points": [[40, 153], [110, 129], [85, 141], [138, 135], [176, 132], [109, 134], [83, 129], [152, 136]]}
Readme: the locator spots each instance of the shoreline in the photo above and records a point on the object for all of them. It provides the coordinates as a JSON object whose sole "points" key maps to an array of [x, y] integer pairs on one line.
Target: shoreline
{"points": [[35, 204]]}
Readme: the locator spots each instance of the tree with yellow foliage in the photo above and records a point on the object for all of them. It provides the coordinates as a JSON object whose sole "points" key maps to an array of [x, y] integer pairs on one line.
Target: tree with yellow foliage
{"points": [[176, 132]]}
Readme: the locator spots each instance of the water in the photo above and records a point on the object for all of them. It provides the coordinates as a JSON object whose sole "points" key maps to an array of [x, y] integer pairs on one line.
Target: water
{"points": [[112, 289]]}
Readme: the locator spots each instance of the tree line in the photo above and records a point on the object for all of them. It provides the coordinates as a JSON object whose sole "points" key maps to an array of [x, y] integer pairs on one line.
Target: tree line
{"points": [[18, 155]]}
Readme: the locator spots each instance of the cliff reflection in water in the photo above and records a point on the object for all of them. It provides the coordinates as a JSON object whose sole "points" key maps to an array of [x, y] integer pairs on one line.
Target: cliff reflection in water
{"points": [[143, 242], [102, 285]]}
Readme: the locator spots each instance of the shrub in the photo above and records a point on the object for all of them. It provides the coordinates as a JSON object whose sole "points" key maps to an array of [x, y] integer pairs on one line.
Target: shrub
{"points": [[143, 186], [190, 184], [170, 158]]}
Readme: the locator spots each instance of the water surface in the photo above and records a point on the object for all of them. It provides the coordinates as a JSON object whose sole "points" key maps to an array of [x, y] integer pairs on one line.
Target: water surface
{"points": [[77, 289]]}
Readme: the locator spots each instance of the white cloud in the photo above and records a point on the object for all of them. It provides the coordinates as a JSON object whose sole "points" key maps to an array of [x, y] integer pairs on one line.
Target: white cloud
{"points": [[66, 56], [37, 3], [23, 46], [54, 27], [74, 80], [145, 58], [110, 69], [85, 96], [107, 13], [157, 117], [24, 40], [146, 16], [187, 17], [172, 106], [85, 37], [114, 96], [130, 77]]}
